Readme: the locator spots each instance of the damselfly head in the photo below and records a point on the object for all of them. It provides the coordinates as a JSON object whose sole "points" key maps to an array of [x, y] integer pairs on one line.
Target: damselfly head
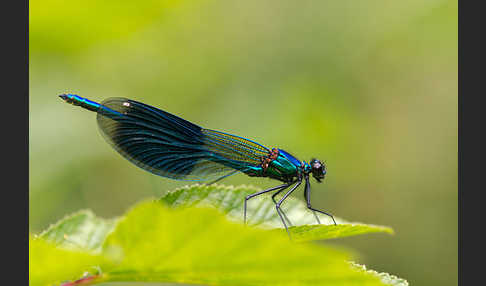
{"points": [[318, 169]]}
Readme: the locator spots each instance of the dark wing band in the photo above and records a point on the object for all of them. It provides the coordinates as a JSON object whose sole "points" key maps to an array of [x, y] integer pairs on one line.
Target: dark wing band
{"points": [[169, 146]]}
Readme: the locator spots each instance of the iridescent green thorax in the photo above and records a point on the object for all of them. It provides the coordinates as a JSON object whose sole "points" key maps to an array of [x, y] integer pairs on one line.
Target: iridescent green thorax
{"points": [[278, 164]]}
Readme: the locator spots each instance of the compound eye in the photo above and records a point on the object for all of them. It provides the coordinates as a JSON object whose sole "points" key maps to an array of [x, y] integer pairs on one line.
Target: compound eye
{"points": [[318, 170]]}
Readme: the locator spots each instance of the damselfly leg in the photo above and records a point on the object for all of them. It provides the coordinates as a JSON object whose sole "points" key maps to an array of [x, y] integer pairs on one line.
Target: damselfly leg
{"points": [[282, 187], [280, 202], [284, 215], [309, 206]]}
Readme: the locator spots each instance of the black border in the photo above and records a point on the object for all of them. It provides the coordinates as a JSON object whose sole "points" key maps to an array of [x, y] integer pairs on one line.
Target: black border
{"points": [[471, 143], [15, 144]]}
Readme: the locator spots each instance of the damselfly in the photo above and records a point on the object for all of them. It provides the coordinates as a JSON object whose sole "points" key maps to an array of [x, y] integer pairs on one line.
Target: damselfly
{"points": [[169, 146]]}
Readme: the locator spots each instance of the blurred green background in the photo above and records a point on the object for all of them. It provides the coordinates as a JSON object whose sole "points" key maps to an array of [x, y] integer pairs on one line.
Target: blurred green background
{"points": [[368, 86]]}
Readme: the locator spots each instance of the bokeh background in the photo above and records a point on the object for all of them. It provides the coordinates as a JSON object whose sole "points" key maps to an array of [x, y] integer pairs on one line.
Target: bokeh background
{"points": [[368, 86]]}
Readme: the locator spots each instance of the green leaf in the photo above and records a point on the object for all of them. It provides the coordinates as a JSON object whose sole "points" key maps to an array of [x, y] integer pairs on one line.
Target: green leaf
{"points": [[261, 211], [384, 277], [51, 265], [316, 232], [81, 230], [199, 245]]}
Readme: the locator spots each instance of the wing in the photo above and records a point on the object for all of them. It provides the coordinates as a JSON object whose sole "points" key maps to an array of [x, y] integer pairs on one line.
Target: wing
{"points": [[169, 146], [233, 147]]}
